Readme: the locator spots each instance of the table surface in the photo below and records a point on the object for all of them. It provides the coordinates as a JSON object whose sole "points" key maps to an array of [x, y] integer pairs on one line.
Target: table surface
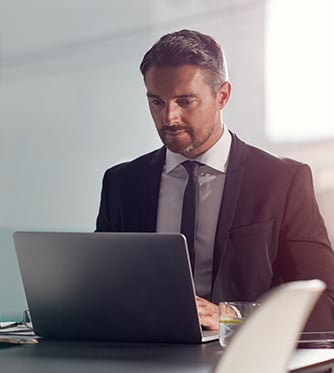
{"points": [[72, 356], [65, 356]]}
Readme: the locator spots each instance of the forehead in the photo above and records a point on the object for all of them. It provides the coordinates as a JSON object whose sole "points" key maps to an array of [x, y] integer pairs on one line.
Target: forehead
{"points": [[176, 80]]}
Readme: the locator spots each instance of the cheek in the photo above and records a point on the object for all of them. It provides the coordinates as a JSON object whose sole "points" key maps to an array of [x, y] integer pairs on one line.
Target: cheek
{"points": [[205, 121], [155, 115], [201, 117]]}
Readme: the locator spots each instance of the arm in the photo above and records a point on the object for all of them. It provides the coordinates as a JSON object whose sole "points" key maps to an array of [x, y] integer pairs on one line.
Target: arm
{"points": [[102, 222], [109, 216], [304, 248]]}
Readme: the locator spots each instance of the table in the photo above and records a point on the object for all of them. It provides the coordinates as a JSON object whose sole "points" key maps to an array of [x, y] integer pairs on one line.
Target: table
{"points": [[52, 356]]}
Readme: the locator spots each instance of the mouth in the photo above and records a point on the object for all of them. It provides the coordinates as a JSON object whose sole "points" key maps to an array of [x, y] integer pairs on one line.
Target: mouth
{"points": [[174, 131]]}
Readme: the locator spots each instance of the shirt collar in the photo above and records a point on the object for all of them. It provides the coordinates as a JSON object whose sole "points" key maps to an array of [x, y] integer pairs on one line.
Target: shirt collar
{"points": [[216, 157]]}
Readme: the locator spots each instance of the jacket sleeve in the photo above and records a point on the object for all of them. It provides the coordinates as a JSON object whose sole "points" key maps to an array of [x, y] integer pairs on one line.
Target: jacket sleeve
{"points": [[304, 248], [103, 223], [114, 182]]}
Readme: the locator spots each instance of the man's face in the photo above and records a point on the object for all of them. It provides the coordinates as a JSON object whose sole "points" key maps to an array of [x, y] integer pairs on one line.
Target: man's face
{"points": [[185, 109]]}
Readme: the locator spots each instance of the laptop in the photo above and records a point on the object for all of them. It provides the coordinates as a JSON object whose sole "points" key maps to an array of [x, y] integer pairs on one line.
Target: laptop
{"points": [[122, 287]]}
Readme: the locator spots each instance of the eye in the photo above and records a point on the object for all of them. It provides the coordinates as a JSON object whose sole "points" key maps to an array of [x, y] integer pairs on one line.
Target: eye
{"points": [[156, 102], [185, 101]]}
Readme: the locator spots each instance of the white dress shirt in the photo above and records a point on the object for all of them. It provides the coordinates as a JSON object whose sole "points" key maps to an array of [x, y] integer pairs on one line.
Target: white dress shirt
{"points": [[211, 178]]}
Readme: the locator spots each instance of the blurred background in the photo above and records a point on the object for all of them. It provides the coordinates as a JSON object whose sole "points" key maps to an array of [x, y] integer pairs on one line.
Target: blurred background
{"points": [[72, 100]]}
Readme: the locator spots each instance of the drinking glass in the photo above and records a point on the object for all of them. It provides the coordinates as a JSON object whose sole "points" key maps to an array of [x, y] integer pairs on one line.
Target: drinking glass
{"points": [[231, 316]]}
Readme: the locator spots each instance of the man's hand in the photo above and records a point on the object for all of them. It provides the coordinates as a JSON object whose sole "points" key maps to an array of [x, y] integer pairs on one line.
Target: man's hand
{"points": [[208, 313]]}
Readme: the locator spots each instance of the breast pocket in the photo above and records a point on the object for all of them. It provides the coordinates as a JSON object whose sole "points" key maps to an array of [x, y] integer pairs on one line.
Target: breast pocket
{"points": [[249, 257], [252, 229]]}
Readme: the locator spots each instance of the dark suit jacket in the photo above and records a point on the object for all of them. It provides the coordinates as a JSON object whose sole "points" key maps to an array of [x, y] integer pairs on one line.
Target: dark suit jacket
{"points": [[269, 230]]}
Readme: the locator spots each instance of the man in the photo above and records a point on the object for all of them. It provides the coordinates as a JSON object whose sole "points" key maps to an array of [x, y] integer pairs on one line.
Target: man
{"points": [[258, 224]]}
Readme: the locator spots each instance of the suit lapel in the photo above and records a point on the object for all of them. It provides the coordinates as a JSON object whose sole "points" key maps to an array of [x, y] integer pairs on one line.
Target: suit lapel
{"points": [[234, 177], [150, 187]]}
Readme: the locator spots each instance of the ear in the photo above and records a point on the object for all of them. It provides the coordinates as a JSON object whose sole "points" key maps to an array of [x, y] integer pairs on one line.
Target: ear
{"points": [[223, 94]]}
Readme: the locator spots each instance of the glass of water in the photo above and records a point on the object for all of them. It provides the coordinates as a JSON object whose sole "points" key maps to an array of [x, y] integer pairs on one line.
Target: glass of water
{"points": [[231, 316]]}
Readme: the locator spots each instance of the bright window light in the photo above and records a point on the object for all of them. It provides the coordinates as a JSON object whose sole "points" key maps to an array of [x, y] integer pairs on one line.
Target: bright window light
{"points": [[300, 70]]}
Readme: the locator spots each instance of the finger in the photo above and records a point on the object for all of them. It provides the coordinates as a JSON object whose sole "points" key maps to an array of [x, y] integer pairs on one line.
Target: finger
{"points": [[209, 322], [206, 307], [208, 313]]}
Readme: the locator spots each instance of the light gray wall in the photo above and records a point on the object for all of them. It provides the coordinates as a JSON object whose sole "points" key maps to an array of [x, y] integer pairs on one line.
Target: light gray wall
{"points": [[72, 103]]}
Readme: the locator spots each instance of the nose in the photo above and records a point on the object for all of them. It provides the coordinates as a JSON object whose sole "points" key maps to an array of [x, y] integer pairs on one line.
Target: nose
{"points": [[172, 114]]}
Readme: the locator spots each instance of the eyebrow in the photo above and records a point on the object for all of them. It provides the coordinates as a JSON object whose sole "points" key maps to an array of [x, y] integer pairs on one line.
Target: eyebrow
{"points": [[185, 95], [152, 95]]}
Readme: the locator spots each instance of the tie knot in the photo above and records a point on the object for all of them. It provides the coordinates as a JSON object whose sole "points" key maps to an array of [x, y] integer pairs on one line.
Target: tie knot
{"points": [[190, 166]]}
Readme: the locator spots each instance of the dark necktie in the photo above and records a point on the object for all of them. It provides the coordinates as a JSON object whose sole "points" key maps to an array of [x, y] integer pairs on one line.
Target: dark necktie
{"points": [[189, 208]]}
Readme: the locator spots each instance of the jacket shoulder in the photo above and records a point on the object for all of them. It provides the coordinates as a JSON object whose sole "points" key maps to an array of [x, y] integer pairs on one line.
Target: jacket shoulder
{"points": [[250, 155], [134, 167]]}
